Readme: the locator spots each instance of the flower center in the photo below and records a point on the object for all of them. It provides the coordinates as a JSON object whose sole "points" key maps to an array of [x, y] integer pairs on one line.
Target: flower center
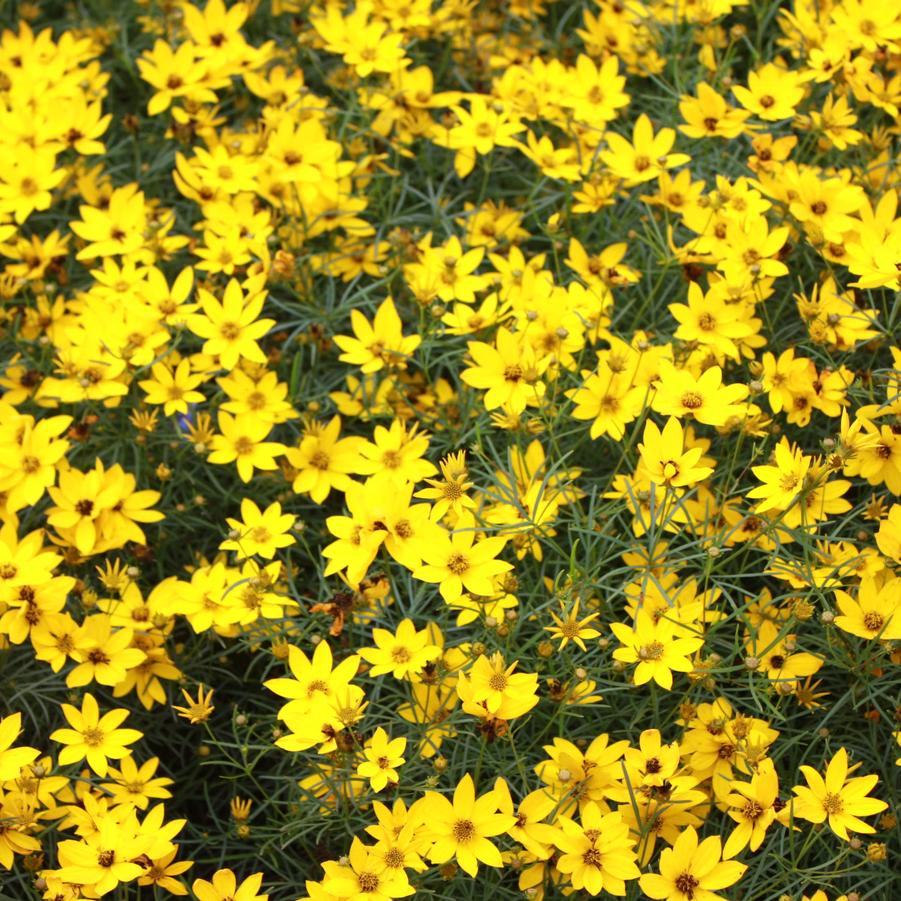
{"points": [[463, 831], [833, 804], [686, 883], [457, 564]]}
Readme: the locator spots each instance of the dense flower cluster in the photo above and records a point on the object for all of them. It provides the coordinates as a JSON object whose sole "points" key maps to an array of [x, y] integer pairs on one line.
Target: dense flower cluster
{"points": [[478, 421]]}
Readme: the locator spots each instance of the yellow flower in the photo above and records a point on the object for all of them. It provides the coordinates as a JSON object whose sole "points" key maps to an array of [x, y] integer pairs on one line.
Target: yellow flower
{"points": [[572, 628], [459, 562], [230, 327], [94, 738], [106, 857], [224, 887], [173, 388], [403, 653], [13, 759], [324, 461], [364, 877], [243, 441], [875, 613], [383, 756], [665, 458], [259, 532], [692, 870], [396, 453], [654, 647], [510, 371], [198, 710], [461, 828], [381, 344], [597, 852], [706, 398], [836, 798], [494, 687], [753, 806]]}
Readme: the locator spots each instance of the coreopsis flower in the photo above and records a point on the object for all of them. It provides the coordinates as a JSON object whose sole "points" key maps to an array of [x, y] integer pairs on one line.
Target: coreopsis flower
{"points": [[692, 870], [706, 398], [510, 371], [836, 799], [104, 654], [461, 828], [658, 647], [754, 806], [397, 453], [312, 677], [773, 92], [363, 877], [224, 887], [260, 532], [175, 73], [709, 115], [231, 328], [652, 763], [646, 157], [711, 322], [875, 612], [13, 759], [403, 653], [383, 756], [174, 388], [136, 786], [449, 493], [597, 852], [105, 857], [380, 344], [572, 628], [162, 871], [324, 461], [666, 459], [257, 391], [888, 536], [783, 481], [199, 709], [459, 562], [610, 399], [496, 687], [93, 737], [242, 441]]}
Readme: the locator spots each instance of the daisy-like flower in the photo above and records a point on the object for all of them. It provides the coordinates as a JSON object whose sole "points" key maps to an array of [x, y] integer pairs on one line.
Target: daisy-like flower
{"points": [[403, 653], [754, 806], [495, 686], [243, 442], [874, 613], [259, 531], [656, 650], [449, 493], [383, 756], [94, 738], [379, 344], [230, 327], [12, 759], [224, 887], [461, 828], [597, 851], [509, 371], [572, 628], [836, 799], [460, 562], [324, 460], [199, 709], [706, 398], [692, 870]]}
